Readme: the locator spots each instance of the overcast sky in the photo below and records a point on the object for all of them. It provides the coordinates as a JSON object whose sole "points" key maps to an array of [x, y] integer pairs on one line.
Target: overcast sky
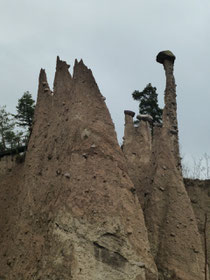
{"points": [[119, 41]]}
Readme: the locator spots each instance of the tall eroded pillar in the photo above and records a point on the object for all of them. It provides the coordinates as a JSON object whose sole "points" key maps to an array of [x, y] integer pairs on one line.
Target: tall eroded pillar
{"points": [[167, 58]]}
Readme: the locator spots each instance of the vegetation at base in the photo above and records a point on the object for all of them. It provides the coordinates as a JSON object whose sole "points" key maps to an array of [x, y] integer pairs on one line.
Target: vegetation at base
{"points": [[196, 168], [6, 129], [15, 129], [148, 103]]}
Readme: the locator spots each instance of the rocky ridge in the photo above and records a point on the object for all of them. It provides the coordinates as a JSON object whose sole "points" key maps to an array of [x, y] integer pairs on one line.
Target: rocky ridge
{"points": [[73, 209]]}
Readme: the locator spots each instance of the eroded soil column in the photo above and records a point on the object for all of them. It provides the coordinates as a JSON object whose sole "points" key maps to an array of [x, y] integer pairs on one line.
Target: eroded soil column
{"points": [[167, 58]]}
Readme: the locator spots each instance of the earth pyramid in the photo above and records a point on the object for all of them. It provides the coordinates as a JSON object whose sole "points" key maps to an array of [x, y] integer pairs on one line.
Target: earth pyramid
{"points": [[156, 173], [72, 208], [78, 216]]}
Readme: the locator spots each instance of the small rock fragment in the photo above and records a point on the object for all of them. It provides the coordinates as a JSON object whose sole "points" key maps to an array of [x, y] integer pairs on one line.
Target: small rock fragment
{"points": [[58, 172], [85, 134], [195, 251], [85, 155], [67, 175], [129, 230]]}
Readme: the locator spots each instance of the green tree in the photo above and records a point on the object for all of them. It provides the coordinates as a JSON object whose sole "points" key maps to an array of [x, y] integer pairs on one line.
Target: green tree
{"points": [[6, 129], [25, 111], [14, 139], [148, 103]]}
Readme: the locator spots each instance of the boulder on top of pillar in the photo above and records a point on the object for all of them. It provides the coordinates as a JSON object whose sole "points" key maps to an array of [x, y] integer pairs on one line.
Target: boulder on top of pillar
{"points": [[165, 55], [145, 117], [130, 113]]}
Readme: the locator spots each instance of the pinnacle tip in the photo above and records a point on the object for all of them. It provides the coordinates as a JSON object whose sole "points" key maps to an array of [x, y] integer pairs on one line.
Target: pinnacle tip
{"points": [[42, 75]]}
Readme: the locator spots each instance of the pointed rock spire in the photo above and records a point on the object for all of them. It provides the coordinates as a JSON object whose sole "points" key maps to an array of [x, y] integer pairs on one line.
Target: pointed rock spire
{"points": [[83, 74], [44, 91], [42, 76], [82, 217], [43, 84], [62, 75], [61, 65], [41, 115]]}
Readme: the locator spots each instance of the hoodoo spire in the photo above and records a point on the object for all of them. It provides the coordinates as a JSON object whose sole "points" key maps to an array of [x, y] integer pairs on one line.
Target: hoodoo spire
{"points": [[167, 58], [170, 220], [154, 167]]}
